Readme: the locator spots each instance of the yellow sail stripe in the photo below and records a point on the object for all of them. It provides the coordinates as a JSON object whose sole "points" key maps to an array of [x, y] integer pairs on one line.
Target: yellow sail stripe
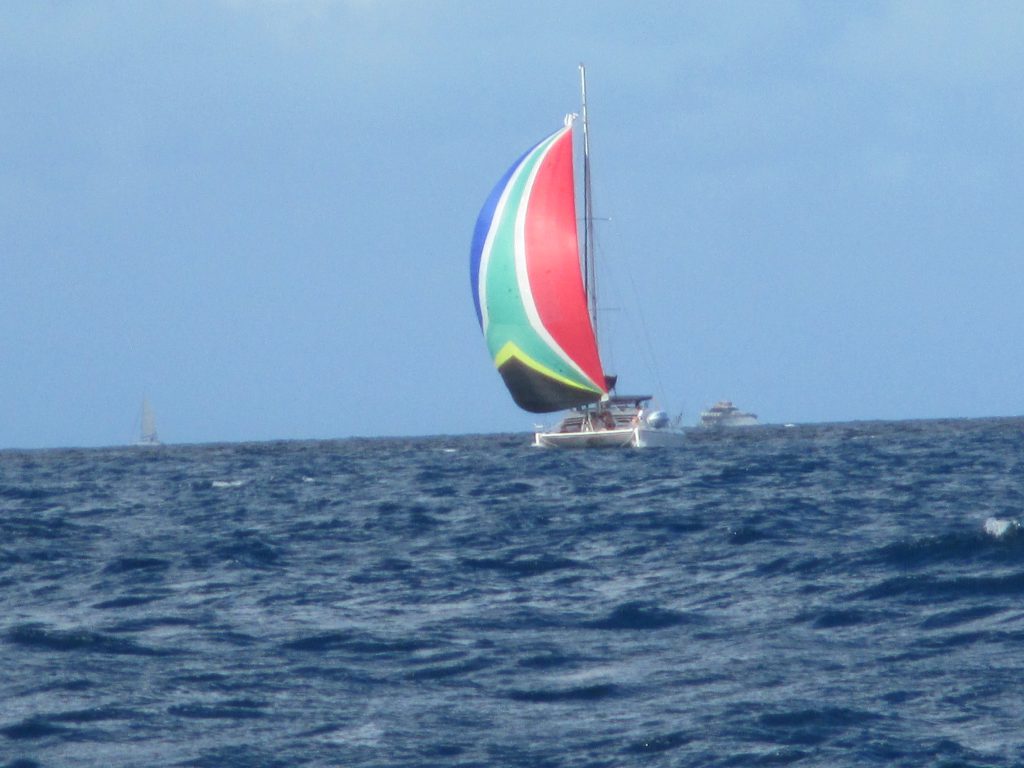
{"points": [[511, 350]]}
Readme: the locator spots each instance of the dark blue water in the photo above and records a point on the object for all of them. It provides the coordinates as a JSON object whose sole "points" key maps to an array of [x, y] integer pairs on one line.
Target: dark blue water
{"points": [[835, 595]]}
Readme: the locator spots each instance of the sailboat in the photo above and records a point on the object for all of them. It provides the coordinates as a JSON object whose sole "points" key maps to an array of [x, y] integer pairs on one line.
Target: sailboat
{"points": [[534, 292], [147, 430]]}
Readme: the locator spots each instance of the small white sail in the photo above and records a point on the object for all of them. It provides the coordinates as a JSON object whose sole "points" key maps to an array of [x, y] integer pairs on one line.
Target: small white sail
{"points": [[147, 431]]}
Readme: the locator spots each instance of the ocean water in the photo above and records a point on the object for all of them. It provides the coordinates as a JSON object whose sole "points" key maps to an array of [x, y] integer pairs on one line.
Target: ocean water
{"points": [[820, 596]]}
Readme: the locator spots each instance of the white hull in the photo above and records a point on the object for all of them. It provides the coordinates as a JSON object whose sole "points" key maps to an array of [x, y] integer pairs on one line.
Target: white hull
{"points": [[633, 437], [745, 420]]}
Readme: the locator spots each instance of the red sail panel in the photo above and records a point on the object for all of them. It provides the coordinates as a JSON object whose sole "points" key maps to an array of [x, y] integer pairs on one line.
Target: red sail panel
{"points": [[553, 261]]}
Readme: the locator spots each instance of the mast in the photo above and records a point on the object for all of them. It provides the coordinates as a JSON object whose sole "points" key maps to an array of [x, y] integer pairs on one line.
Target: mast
{"points": [[589, 270]]}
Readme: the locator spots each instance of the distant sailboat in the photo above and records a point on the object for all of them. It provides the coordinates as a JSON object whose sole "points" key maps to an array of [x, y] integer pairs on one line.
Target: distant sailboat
{"points": [[147, 430], [537, 304]]}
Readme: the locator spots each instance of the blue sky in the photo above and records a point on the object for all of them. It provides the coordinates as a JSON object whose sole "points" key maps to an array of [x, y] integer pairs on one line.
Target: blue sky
{"points": [[259, 213]]}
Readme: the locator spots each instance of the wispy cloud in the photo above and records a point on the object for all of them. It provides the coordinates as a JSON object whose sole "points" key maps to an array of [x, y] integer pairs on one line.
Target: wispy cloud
{"points": [[937, 40]]}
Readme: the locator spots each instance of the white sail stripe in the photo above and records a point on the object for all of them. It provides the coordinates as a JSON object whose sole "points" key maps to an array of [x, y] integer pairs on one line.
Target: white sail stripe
{"points": [[485, 253], [485, 260], [523, 278]]}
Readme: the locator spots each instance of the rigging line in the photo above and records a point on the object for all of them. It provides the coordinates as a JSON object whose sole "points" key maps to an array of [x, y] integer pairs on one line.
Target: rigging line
{"points": [[652, 360]]}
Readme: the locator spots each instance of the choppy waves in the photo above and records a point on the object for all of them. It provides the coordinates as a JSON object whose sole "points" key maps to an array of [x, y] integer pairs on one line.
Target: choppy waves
{"points": [[831, 595]]}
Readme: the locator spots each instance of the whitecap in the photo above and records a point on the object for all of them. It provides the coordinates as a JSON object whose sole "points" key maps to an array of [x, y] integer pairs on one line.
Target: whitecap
{"points": [[367, 734], [227, 483], [999, 527]]}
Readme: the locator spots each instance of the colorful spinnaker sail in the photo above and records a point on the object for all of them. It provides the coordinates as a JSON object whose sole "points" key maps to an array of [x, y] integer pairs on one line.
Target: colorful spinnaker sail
{"points": [[528, 287]]}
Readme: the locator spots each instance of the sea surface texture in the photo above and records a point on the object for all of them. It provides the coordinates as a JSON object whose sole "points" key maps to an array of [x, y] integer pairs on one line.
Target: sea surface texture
{"points": [[839, 595]]}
